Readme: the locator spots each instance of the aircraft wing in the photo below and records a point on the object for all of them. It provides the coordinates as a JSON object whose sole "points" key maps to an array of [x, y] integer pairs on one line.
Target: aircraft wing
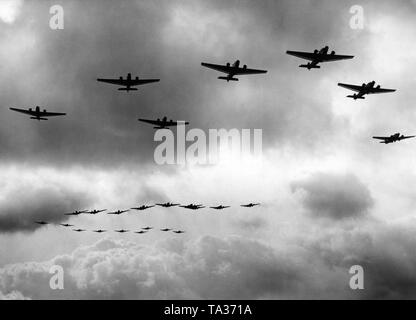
{"points": [[408, 137], [52, 114], [241, 71], [381, 138], [218, 67], [120, 82], [351, 87], [139, 82], [379, 90], [303, 55], [154, 122], [32, 113], [334, 57]]}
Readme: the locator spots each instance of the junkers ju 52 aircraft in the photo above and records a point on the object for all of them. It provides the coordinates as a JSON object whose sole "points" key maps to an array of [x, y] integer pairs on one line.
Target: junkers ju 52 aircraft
{"points": [[164, 123], [129, 83], [365, 88], [393, 138], [318, 56], [232, 70], [38, 114]]}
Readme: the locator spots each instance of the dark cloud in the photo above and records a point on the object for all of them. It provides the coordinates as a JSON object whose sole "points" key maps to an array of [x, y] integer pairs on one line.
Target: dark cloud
{"points": [[28, 204], [166, 39], [335, 196]]}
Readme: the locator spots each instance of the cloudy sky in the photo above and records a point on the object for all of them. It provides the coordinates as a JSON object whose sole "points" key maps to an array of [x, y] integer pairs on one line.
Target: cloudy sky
{"points": [[331, 196]]}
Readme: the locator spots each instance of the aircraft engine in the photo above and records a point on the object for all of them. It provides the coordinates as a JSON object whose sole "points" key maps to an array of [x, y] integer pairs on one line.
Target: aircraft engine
{"points": [[333, 52], [378, 87], [228, 64], [158, 119], [245, 66], [315, 51], [137, 78], [121, 78], [363, 84]]}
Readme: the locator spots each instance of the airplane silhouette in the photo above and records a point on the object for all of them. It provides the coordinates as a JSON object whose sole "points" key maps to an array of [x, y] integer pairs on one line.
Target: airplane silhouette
{"points": [[167, 204], [318, 56], [365, 88], [178, 231], [42, 222], [147, 228], [140, 232], [221, 207], [250, 205], [143, 207], [164, 123], [75, 213], [193, 206], [393, 138], [78, 230], [118, 212], [66, 225], [165, 229], [128, 84], [232, 70], [37, 114], [99, 231], [121, 231], [95, 211]]}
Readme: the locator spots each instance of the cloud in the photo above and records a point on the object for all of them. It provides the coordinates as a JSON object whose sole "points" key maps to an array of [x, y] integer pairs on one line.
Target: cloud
{"points": [[229, 268], [9, 10], [334, 196]]}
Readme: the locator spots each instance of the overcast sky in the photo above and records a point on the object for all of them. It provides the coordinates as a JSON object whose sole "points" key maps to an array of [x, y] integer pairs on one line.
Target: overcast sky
{"points": [[331, 196]]}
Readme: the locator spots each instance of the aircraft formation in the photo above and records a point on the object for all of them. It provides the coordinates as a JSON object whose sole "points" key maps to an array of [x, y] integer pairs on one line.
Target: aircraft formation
{"points": [[314, 58], [143, 207]]}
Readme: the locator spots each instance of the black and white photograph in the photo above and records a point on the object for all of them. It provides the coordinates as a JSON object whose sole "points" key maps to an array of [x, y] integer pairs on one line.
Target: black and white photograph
{"points": [[207, 150]]}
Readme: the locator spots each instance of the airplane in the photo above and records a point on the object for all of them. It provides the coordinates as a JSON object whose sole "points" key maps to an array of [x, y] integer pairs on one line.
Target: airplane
{"points": [[232, 70], [37, 114], [164, 123], [167, 204], [128, 83], [99, 231], [147, 228], [365, 88], [78, 230], [42, 222], [66, 225], [75, 213], [140, 232], [118, 211], [178, 231], [165, 229], [250, 205], [121, 231], [143, 207], [95, 211], [193, 206], [318, 56], [220, 207], [393, 138]]}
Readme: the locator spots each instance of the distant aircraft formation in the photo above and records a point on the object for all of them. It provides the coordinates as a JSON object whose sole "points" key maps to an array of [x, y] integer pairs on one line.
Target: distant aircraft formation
{"points": [[143, 230]]}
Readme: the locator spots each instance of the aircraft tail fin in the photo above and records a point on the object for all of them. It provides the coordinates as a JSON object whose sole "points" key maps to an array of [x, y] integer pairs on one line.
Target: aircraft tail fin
{"points": [[309, 66], [228, 79], [127, 89], [35, 118]]}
